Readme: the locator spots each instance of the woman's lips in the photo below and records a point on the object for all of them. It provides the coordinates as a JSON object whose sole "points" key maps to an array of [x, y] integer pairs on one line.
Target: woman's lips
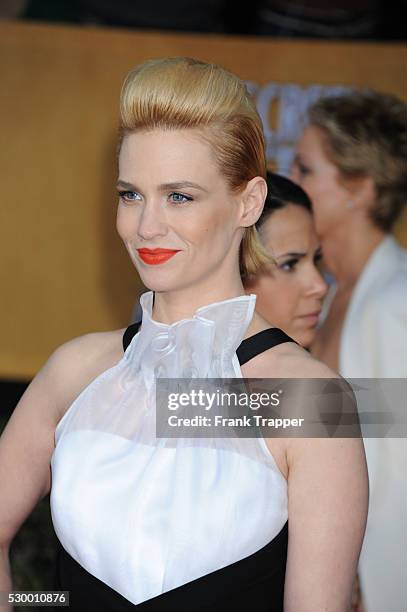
{"points": [[153, 257], [311, 319]]}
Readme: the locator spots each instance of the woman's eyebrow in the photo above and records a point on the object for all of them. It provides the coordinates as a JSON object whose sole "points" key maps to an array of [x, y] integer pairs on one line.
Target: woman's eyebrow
{"points": [[181, 185], [298, 158], [174, 185], [293, 254], [125, 185]]}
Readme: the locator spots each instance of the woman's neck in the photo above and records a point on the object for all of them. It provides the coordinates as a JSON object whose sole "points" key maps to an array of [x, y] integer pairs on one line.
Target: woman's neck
{"points": [[172, 306], [347, 250]]}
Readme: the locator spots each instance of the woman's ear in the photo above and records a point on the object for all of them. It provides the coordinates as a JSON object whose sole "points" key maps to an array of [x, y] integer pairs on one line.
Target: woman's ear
{"points": [[252, 199], [362, 193]]}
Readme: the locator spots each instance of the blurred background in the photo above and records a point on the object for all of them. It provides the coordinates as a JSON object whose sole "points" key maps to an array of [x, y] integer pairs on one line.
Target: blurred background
{"points": [[64, 271]]}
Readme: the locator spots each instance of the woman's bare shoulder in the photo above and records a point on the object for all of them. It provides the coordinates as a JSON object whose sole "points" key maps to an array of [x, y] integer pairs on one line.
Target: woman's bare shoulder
{"points": [[293, 361], [74, 364], [288, 360], [99, 345]]}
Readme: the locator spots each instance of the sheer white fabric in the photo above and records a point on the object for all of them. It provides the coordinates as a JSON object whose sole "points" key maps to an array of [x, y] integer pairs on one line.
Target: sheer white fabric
{"points": [[146, 515]]}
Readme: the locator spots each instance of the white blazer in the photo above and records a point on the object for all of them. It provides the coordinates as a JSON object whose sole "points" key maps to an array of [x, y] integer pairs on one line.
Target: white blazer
{"points": [[374, 345], [374, 334]]}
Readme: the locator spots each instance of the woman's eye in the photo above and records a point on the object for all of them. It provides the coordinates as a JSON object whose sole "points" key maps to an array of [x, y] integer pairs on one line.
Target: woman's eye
{"points": [[302, 169], [129, 196], [318, 263], [179, 198], [288, 266]]}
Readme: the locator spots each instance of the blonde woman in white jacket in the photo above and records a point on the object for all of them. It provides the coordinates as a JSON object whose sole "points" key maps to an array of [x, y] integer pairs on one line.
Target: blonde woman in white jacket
{"points": [[352, 162]]}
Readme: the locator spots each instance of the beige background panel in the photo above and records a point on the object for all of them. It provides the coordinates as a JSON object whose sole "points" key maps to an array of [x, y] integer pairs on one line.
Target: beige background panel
{"points": [[64, 271]]}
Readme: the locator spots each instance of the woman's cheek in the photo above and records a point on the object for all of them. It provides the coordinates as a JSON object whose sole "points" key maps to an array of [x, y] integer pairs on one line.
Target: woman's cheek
{"points": [[126, 222], [120, 222], [284, 294]]}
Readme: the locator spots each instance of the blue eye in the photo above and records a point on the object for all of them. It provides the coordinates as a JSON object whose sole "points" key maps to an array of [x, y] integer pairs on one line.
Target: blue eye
{"points": [[129, 196], [179, 198]]}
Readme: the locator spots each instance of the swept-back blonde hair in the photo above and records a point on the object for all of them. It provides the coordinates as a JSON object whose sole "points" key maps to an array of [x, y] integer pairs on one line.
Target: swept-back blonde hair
{"points": [[182, 92]]}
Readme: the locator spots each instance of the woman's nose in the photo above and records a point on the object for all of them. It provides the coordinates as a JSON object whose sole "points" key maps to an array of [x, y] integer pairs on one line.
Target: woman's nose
{"points": [[317, 286], [152, 222]]}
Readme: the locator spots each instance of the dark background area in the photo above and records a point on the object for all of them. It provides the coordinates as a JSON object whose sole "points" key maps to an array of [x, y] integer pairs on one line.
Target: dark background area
{"points": [[333, 19], [33, 551]]}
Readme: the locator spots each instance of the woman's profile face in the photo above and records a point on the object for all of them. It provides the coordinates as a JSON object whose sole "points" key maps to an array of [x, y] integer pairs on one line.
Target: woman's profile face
{"points": [[176, 215], [290, 292], [319, 177]]}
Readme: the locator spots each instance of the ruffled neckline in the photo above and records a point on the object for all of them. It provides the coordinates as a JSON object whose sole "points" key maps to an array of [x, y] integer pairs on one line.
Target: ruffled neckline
{"points": [[201, 346]]}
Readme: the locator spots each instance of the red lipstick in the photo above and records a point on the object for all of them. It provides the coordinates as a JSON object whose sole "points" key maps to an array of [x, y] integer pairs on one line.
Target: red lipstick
{"points": [[154, 257]]}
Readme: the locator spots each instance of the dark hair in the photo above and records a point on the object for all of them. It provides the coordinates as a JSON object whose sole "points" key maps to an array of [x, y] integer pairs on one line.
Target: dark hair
{"points": [[281, 192]]}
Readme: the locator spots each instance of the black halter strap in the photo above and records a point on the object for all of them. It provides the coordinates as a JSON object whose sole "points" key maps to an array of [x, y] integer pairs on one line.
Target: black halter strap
{"points": [[260, 342], [130, 332]]}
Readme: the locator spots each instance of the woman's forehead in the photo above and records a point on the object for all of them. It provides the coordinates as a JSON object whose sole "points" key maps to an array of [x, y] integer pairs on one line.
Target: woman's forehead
{"points": [[168, 152], [291, 225]]}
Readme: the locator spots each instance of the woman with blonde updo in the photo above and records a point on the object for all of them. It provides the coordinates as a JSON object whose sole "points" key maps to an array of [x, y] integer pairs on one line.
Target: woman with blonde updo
{"points": [[352, 162], [195, 522]]}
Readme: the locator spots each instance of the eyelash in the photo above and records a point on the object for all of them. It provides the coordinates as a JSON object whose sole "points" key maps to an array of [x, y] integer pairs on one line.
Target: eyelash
{"points": [[318, 259], [291, 263], [186, 198], [304, 170], [124, 196]]}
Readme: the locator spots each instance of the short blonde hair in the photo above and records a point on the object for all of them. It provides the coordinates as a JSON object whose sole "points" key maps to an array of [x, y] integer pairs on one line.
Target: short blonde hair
{"points": [[181, 93], [366, 135]]}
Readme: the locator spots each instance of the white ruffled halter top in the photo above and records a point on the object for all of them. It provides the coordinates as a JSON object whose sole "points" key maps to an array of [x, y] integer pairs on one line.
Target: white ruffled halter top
{"points": [[146, 515]]}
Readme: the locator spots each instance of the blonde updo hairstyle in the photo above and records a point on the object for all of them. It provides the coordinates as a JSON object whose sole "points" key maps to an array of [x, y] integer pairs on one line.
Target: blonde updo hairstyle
{"points": [[185, 93], [366, 135]]}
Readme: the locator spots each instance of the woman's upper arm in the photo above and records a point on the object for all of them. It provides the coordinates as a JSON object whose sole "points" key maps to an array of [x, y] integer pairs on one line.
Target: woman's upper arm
{"points": [[327, 509], [27, 442]]}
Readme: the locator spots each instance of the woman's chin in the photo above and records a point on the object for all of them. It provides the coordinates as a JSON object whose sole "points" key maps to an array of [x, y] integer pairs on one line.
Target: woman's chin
{"points": [[159, 287], [305, 338], [159, 281]]}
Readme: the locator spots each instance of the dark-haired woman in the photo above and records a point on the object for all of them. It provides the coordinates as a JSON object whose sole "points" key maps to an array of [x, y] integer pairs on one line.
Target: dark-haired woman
{"points": [[290, 290]]}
